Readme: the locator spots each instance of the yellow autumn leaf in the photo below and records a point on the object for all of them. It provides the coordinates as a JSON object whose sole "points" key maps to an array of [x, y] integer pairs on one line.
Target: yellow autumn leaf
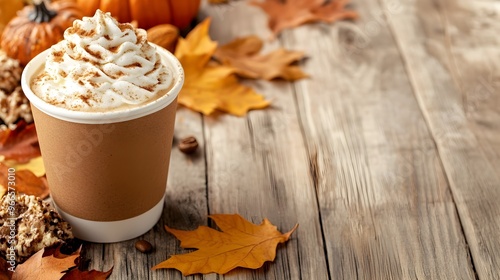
{"points": [[209, 87], [25, 182], [242, 54], [35, 165], [238, 244], [197, 43]]}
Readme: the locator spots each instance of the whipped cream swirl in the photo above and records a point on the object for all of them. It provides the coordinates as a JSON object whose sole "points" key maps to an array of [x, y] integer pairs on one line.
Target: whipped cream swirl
{"points": [[100, 65]]}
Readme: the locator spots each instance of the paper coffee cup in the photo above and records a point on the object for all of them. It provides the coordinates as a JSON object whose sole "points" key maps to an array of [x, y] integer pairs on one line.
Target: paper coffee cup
{"points": [[107, 171]]}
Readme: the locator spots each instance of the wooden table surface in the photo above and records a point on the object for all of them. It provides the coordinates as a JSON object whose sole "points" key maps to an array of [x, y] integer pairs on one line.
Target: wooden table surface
{"points": [[388, 156]]}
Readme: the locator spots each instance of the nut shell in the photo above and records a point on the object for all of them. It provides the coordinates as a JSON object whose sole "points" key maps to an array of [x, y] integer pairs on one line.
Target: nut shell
{"points": [[164, 35], [33, 223], [14, 106], [10, 73]]}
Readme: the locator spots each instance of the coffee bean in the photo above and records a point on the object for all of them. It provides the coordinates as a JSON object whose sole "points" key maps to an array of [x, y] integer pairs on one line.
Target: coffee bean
{"points": [[143, 246], [188, 145]]}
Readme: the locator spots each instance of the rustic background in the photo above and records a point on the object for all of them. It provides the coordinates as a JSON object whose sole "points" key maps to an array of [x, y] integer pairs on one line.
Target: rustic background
{"points": [[387, 156]]}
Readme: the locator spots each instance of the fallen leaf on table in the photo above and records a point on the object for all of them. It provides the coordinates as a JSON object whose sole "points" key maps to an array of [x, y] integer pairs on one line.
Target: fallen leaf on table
{"points": [[25, 182], [242, 54], [216, 88], [45, 266], [50, 263], [76, 274], [292, 13], [238, 244], [197, 43], [5, 270], [35, 165], [20, 144], [207, 86], [218, 1]]}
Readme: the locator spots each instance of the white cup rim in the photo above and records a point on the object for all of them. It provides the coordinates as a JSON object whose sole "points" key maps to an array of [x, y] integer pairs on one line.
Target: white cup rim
{"points": [[121, 115]]}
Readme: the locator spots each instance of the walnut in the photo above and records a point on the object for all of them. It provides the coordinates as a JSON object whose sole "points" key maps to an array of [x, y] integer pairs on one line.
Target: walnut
{"points": [[14, 106], [10, 73], [32, 223]]}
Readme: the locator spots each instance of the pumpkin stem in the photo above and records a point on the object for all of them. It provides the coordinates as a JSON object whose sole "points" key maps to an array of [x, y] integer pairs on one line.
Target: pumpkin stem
{"points": [[41, 13]]}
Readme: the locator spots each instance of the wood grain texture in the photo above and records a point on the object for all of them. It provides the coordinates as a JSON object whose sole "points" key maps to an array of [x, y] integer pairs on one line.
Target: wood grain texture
{"points": [[427, 45], [257, 166], [387, 157], [386, 208]]}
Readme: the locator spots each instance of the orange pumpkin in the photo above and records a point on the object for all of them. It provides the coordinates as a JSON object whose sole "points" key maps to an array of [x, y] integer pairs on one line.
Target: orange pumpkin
{"points": [[38, 27], [8, 10], [147, 13]]}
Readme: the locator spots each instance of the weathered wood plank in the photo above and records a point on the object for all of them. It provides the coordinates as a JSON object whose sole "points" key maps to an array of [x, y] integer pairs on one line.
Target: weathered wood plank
{"points": [[478, 70], [386, 208], [257, 165], [374, 176], [438, 42]]}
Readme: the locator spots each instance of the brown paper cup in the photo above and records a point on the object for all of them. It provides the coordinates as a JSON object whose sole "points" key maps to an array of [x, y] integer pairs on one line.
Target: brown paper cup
{"points": [[107, 171]]}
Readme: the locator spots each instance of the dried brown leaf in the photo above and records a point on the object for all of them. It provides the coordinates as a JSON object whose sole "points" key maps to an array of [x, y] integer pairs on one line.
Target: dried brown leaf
{"points": [[25, 182], [50, 263], [44, 266], [242, 54], [209, 87], [76, 274], [292, 13], [5, 270], [20, 144], [238, 244]]}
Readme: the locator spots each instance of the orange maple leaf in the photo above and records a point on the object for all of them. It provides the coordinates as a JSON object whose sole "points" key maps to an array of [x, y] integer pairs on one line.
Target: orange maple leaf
{"points": [[76, 274], [50, 263], [20, 144], [197, 43], [242, 54], [239, 244], [292, 13], [208, 87], [5, 270], [42, 265], [26, 182]]}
